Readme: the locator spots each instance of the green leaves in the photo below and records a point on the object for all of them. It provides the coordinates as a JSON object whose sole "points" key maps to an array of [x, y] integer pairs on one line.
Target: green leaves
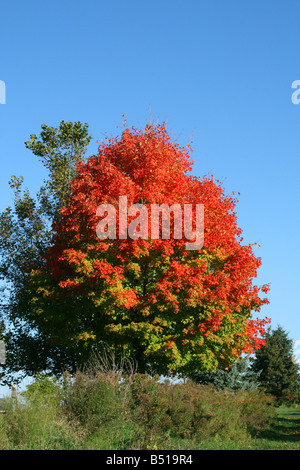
{"points": [[170, 308], [60, 150], [26, 232], [279, 372]]}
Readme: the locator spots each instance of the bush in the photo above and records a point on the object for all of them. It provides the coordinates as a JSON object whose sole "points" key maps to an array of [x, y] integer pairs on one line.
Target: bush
{"points": [[4, 440], [257, 410], [148, 410], [97, 397], [95, 401], [105, 409], [39, 426], [167, 410]]}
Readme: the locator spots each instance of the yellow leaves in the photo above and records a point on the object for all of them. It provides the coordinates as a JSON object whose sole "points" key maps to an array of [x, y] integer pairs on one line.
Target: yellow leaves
{"points": [[85, 336], [134, 269], [44, 292]]}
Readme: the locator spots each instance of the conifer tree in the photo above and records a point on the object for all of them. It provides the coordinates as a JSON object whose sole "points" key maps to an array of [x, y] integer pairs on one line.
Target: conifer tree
{"points": [[237, 377], [279, 373]]}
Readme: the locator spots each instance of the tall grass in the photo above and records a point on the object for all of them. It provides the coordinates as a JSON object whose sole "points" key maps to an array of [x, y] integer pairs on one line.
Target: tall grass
{"points": [[110, 406]]}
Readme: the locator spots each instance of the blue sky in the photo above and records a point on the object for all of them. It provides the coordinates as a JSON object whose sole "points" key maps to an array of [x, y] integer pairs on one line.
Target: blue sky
{"points": [[219, 71]]}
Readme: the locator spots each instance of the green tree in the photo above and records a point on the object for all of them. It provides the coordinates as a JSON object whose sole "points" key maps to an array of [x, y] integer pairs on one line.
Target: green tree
{"points": [[25, 237], [279, 373]]}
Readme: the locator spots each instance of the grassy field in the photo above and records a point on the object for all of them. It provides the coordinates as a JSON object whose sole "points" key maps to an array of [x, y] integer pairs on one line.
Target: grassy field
{"points": [[283, 434]]}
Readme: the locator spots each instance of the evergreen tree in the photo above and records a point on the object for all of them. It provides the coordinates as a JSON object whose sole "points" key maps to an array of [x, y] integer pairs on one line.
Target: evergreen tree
{"points": [[279, 373], [237, 377]]}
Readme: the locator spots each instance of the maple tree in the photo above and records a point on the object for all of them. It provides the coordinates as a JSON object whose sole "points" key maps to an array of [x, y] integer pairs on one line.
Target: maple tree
{"points": [[174, 310]]}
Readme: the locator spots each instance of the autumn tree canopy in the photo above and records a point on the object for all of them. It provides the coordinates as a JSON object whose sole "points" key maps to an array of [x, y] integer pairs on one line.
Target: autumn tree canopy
{"points": [[172, 309]]}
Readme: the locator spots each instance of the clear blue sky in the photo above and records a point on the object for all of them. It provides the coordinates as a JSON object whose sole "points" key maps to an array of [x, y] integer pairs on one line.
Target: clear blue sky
{"points": [[218, 70]]}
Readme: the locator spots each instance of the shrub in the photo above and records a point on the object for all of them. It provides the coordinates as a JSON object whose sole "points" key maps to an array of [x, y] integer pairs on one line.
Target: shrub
{"points": [[168, 410], [257, 410], [4, 440], [39, 426], [105, 409], [148, 409], [95, 401], [165, 410]]}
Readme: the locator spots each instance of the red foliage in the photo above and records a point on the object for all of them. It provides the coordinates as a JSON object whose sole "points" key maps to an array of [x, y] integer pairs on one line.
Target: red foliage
{"points": [[181, 308]]}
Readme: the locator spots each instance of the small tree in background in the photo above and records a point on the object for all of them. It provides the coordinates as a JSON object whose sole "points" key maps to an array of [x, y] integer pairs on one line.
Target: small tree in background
{"points": [[279, 373], [237, 377]]}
